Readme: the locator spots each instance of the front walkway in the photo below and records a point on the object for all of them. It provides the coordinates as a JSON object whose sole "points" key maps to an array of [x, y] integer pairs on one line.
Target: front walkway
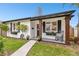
{"points": [[24, 49]]}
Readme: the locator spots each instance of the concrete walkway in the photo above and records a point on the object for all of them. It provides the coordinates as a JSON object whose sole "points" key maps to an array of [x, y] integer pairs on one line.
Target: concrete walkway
{"points": [[24, 49]]}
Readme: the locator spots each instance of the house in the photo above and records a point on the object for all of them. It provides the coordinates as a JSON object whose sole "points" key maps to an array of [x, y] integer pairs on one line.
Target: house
{"points": [[52, 27]]}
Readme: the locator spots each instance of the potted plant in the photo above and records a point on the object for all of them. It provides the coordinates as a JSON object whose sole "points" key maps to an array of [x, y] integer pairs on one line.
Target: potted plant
{"points": [[39, 38], [27, 37]]}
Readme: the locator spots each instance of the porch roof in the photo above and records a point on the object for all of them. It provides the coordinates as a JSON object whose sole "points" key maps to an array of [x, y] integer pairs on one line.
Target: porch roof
{"points": [[45, 16]]}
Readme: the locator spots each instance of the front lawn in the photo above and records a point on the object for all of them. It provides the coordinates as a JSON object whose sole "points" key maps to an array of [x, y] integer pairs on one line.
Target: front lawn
{"points": [[12, 44], [52, 49]]}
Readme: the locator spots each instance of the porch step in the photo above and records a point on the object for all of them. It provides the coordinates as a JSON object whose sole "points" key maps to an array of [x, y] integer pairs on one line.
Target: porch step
{"points": [[34, 38]]}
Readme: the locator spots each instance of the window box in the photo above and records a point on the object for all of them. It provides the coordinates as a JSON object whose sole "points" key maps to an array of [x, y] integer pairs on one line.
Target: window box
{"points": [[14, 33], [51, 33]]}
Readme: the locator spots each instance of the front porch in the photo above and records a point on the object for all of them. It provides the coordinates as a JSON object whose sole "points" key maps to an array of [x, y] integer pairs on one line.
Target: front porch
{"points": [[45, 30], [56, 25], [57, 39], [48, 40]]}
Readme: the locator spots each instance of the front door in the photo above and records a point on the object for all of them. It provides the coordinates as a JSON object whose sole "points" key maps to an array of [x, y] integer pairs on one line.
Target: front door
{"points": [[38, 28]]}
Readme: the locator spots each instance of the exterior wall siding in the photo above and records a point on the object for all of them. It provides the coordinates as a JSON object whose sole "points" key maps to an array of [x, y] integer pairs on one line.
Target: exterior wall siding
{"points": [[32, 28], [18, 35], [62, 28]]}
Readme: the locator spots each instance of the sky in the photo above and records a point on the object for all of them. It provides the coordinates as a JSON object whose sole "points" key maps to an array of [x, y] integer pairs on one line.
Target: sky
{"points": [[11, 11]]}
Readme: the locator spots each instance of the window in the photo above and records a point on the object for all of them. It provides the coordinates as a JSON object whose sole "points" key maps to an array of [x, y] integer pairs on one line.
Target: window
{"points": [[54, 25], [13, 29], [59, 26], [48, 27], [43, 26]]}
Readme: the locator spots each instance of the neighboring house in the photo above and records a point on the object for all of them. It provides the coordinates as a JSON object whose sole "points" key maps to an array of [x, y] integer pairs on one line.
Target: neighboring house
{"points": [[76, 30], [71, 32], [52, 27]]}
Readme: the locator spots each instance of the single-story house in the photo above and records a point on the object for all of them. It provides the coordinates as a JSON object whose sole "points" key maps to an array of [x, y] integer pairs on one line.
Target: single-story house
{"points": [[52, 27]]}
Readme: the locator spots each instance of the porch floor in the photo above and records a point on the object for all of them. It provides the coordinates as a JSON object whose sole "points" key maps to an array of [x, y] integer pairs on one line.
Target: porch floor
{"points": [[51, 40], [47, 40]]}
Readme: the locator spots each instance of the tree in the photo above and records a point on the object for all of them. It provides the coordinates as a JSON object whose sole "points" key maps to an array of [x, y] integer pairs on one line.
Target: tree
{"points": [[76, 4], [23, 28], [3, 27]]}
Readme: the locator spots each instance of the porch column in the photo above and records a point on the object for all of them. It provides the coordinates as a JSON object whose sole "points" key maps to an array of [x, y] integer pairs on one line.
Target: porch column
{"points": [[67, 27], [40, 30]]}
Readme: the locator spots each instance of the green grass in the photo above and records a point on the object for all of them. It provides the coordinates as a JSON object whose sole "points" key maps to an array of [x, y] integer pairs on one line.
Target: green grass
{"points": [[12, 44], [49, 49]]}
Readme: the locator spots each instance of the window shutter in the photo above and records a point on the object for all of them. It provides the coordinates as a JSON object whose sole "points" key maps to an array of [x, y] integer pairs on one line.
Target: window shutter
{"points": [[18, 24], [14, 26], [43, 26], [59, 26], [11, 27]]}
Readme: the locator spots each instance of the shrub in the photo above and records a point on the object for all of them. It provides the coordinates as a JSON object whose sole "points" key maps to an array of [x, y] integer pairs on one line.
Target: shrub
{"points": [[4, 27], [1, 44], [23, 28], [27, 37], [76, 40], [71, 39], [39, 39], [22, 36]]}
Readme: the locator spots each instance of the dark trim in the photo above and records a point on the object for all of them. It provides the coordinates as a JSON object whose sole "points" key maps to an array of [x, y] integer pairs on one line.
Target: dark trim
{"points": [[44, 26], [67, 27], [17, 20], [14, 26], [10, 27], [38, 30], [59, 26], [18, 24], [45, 16]]}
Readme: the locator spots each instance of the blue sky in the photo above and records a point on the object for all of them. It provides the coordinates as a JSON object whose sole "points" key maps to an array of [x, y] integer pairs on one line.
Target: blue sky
{"points": [[21, 10]]}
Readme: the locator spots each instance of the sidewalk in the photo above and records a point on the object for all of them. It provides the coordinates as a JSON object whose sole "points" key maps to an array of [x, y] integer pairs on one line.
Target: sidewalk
{"points": [[24, 49]]}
